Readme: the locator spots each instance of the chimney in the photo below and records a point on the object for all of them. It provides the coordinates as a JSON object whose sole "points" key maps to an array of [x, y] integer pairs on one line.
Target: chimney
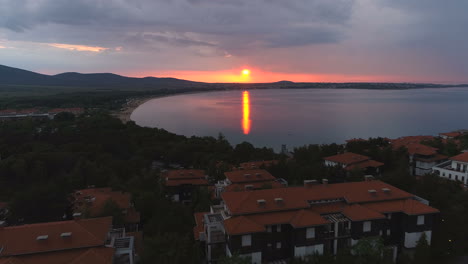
{"points": [[309, 183], [325, 181], [248, 187], [42, 237], [386, 190], [261, 203], [368, 178], [76, 216], [372, 192], [279, 201], [66, 234]]}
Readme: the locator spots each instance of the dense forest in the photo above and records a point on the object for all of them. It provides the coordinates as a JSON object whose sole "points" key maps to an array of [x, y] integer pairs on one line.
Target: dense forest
{"points": [[42, 161]]}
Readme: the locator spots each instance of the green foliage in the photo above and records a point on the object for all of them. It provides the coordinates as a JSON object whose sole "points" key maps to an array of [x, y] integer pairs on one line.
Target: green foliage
{"points": [[235, 259], [422, 254], [110, 208]]}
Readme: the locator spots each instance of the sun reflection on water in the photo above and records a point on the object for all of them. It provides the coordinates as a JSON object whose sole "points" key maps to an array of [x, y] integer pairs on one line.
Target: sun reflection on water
{"points": [[246, 112]]}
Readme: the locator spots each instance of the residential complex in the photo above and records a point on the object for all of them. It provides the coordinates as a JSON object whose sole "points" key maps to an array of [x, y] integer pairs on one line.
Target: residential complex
{"points": [[280, 224], [351, 161], [182, 183], [421, 157], [455, 168], [249, 179], [92, 201], [77, 241]]}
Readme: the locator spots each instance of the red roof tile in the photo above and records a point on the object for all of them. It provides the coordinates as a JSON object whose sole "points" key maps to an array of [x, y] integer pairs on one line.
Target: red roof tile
{"points": [[199, 225], [19, 240], [242, 176], [185, 174], [409, 206], [298, 197], [242, 225], [237, 187], [257, 164], [305, 218], [197, 182], [461, 157], [451, 134], [347, 158], [97, 255], [365, 164], [358, 212]]}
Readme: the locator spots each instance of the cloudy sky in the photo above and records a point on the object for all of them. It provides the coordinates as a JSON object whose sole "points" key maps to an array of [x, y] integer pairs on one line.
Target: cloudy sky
{"points": [[213, 40]]}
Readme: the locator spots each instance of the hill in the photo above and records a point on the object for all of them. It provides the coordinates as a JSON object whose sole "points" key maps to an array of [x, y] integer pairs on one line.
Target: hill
{"points": [[14, 76]]}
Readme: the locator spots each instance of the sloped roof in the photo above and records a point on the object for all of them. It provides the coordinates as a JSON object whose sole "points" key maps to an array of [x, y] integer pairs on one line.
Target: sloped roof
{"points": [[451, 134], [242, 225], [365, 164], [298, 197], [236, 187], [304, 218], [255, 175], [184, 174], [19, 240], [461, 157], [257, 164], [199, 225], [99, 255], [358, 212], [93, 199], [347, 158], [408, 206]]}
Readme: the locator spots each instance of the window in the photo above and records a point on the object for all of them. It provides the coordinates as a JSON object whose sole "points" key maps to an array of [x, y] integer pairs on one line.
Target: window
{"points": [[246, 240], [278, 228], [388, 232], [450, 176], [420, 220], [366, 226], [269, 245], [463, 178], [456, 177], [310, 232], [278, 245], [389, 216], [269, 229]]}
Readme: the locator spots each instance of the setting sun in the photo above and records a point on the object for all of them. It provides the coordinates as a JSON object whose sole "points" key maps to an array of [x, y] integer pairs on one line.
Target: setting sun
{"points": [[246, 72]]}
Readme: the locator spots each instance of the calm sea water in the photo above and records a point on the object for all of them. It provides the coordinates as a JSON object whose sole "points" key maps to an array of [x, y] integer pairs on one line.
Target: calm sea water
{"points": [[297, 117]]}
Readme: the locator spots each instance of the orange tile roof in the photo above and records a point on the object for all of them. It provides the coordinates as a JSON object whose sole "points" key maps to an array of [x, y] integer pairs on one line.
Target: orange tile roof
{"points": [[347, 158], [461, 157], [184, 174], [421, 149], [197, 182], [304, 218], [297, 197], [365, 164], [199, 225], [412, 143], [358, 212], [241, 176], [19, 240], [451, 134], [408, 206], [97, 255], [93, 200], [257, 164], [237, 187], [242, 225]]}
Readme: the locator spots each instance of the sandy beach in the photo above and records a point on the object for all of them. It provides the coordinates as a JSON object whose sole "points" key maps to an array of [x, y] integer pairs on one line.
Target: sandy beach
{"points": [[126, 111]]}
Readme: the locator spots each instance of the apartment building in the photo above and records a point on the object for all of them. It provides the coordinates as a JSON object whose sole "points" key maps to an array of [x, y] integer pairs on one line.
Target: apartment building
{"points": [[285, 223], [350, 161], [455, 168], [182, 183]]}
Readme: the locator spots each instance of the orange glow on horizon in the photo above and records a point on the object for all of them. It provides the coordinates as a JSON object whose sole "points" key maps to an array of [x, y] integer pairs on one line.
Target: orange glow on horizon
{"points": [[260, 76], [246, 122]]}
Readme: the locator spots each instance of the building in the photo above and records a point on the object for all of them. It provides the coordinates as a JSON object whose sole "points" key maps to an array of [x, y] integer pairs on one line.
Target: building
{"points": [[350, 161], [455, 168], [281, 224], [421, 157], [251, 179], [181, 184], [257, 164], [451, 135], [88, 203], [77, 241]]}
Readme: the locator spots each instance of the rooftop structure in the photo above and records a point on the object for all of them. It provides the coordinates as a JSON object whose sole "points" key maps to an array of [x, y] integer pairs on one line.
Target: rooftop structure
{"points": [[455, 168], [350, 161], [279, 224], [181, 183]]}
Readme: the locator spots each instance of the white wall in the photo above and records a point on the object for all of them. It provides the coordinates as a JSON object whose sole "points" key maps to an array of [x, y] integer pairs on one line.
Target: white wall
{"points": [[255, 257], [411, 239]]}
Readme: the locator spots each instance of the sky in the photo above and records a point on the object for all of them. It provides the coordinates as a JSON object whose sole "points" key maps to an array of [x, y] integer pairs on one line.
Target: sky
{"points": [[214, 40]]}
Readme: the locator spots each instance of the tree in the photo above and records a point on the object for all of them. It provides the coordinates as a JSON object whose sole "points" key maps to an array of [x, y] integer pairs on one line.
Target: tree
{"points": [[110, 208], [422, 254], [235, 259]]}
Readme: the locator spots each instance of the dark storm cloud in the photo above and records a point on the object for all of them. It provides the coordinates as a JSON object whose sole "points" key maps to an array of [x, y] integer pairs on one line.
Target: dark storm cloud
{"points": [[271, 22]]}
